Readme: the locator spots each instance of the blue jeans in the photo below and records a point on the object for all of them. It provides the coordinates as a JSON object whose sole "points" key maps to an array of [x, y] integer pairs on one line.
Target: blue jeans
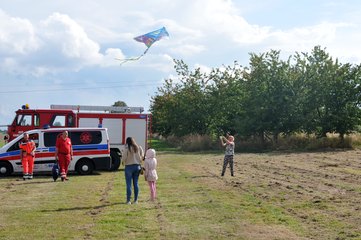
{"points": [[132, 173]]}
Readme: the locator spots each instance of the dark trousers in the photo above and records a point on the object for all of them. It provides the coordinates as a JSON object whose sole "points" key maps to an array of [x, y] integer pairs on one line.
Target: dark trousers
{"points": [[227, 159]]}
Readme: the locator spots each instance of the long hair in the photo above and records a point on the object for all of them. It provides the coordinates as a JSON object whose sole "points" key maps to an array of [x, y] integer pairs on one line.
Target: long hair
{"points": [[132, 145]]}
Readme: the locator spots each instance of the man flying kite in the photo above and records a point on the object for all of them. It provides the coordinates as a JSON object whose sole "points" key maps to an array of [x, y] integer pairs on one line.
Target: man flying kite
{"points": [[148, 39]]}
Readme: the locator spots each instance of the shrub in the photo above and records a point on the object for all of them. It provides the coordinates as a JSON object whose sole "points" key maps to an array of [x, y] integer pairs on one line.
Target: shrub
{"points": [[173, 141], [193, 143]]}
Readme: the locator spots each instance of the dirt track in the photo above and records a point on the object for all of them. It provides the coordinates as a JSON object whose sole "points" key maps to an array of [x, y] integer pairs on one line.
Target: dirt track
{"points": [[322, 190]]}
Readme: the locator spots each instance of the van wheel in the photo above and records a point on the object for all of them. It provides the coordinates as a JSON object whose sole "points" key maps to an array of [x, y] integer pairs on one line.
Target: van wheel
{"points": [[84, 167], [5, 169], [115, 160]]}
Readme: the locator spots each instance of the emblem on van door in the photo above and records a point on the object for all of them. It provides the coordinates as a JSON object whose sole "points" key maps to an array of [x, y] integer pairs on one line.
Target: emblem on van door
{"points": [[85, 137]]}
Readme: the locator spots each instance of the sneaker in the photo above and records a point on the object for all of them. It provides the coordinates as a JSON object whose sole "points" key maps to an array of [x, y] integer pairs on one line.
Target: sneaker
{"points": [[66, 179], [25, 176], [128, 203], [30, 176], [135, 202], [62, 179]]}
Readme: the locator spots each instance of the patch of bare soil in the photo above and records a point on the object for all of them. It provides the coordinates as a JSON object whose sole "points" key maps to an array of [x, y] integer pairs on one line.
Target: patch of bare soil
{"points": [[321, 191]]}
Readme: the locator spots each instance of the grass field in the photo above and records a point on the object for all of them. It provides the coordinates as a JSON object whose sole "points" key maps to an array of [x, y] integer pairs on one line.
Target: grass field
{"points": [[272, 196]]}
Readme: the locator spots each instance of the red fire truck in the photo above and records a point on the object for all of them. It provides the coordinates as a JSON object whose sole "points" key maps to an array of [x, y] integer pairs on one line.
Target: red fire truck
{"points": [[121, 122]]}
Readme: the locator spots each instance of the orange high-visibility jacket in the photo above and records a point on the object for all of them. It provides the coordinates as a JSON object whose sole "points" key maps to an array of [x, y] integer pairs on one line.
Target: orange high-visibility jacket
{"points": [[27, 147]]}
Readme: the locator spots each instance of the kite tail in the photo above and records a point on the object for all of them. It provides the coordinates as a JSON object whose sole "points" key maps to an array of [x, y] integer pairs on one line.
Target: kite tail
{"points": [[122, 61], [146, 50]]}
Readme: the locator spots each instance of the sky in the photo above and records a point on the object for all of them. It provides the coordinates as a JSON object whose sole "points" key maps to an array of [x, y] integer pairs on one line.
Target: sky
{"points": [[64, 51]]}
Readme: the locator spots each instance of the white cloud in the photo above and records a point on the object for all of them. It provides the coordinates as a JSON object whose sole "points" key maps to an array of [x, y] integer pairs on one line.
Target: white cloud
{"points": [[55, 44], [155, 62], [112, 54], [220, 18], [188, 49], [203, 68], [62, 32], [304, 38], [17, 36]]}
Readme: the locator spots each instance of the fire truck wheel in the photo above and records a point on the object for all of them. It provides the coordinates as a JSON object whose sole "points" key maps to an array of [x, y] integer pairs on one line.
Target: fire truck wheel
{"points": [[115, 160], [5, 169], [84, 166]]}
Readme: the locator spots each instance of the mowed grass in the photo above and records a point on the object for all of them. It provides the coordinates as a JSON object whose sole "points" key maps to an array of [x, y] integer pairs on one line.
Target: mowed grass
{"points": [[272, 196]]}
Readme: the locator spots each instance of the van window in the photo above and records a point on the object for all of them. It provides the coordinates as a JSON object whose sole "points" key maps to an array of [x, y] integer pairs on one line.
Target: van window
{"points": [[77, 137], [35, 138], [15, 146], [86, 137], [50, 138]]}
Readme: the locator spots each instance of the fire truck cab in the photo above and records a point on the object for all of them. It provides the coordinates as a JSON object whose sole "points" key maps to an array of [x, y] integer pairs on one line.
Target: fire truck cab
{"points": [[28, 119], [121, 122]]}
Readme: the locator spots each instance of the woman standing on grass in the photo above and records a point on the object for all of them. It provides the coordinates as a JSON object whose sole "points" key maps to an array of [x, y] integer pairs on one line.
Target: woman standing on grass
{"points": [[132, 157], [150, 173]]}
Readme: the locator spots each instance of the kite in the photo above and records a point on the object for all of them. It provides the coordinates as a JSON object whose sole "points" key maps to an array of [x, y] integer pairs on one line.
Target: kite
{"points": [[148, 39]]}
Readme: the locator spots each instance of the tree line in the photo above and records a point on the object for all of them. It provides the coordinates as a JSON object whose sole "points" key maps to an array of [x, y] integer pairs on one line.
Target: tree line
{"points": [[310, 93]]}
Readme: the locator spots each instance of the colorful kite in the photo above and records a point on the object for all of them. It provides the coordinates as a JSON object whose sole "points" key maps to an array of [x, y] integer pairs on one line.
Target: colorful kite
{"points": [[148, 39]]}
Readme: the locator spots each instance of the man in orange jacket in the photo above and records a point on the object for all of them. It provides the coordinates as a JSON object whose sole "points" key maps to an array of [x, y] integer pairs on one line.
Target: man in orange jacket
{"points": [[64, 154], [27, 155]]}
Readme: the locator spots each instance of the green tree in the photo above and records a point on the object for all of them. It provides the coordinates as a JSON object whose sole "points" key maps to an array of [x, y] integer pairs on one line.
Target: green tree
{"points": [[311, 93], [270, 97], [119, 104], [329, 94], [225, 93], [179, 108]]}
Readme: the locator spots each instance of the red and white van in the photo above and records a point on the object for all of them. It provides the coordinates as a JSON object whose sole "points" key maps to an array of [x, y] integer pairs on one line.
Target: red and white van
{"points": [[91, 150]]}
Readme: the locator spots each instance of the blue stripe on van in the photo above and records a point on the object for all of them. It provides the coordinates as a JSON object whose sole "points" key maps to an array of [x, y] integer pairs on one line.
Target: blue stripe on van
{"points": [[85, 147], [9, 154], [52, 149], [90, 147]]}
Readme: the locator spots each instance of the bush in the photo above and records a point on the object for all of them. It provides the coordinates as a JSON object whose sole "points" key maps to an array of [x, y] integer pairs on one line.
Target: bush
{"points": [[355, 140], [173, 141], [194, 143], [329, 142]]}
